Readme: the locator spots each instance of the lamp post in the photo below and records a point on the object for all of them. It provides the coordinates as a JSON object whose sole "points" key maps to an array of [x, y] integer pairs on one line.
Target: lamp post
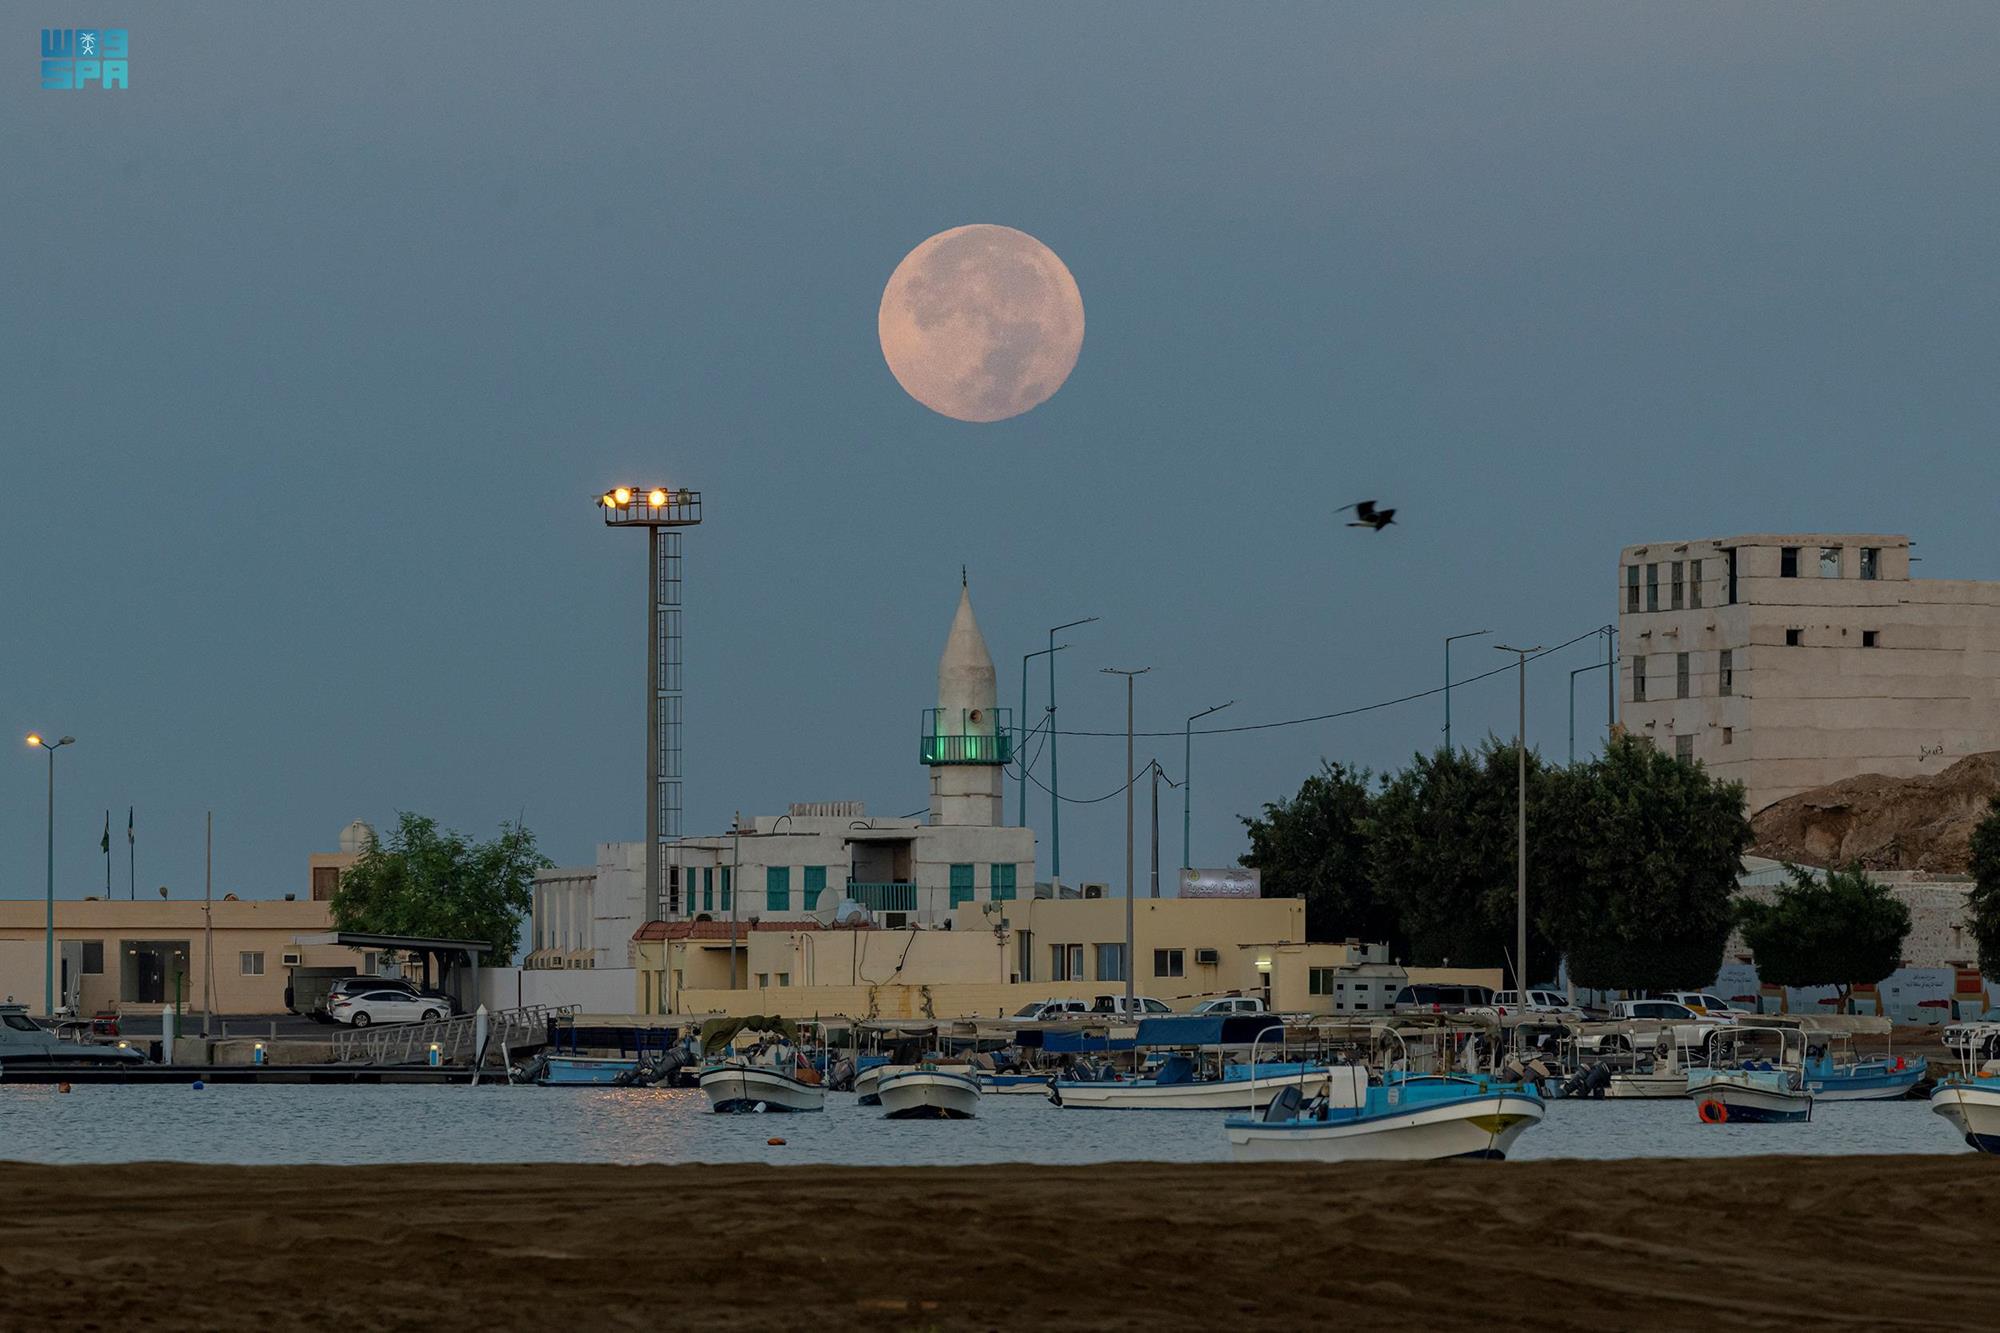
{"points": [[1131, 780], [1594, 666], [1021, 727], [1521, 847], [1187, 775], [49, 929], [1448, 640], [1055, 783]]}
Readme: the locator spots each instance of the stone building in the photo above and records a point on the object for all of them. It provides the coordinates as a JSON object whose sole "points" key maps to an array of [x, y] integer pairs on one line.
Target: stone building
{"points": [[1787, 661]]}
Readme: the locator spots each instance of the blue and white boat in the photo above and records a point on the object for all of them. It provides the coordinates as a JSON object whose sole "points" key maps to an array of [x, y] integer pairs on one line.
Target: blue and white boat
{"points": [[1409, 1118], [928, 1091], [584, 1071], [1969, 1097], [1837, 1075], [1197, 1074], [1756, 1076], [1013, 1084]]}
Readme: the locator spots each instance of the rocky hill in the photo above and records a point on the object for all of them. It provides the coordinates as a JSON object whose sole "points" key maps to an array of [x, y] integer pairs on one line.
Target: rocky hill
{"points": [[1884, 823]]}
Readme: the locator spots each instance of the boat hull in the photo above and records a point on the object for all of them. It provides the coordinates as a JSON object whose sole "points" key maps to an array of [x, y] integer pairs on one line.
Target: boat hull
{"points": [[1886, 1085], [1973, 1111], [583, 1071], [1483, 1126], [1013, 1085], [1236, 1094], [735, 1089], [928, 1094], [1726, 1099], [1648, 1087]]}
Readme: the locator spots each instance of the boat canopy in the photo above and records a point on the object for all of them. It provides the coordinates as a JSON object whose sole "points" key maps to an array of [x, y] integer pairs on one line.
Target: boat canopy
{"points": [[717, 1033], [1205, 1029], [1081, 1041]]}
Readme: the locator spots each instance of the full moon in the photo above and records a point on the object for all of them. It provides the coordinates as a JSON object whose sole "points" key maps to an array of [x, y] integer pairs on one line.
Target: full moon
{"points": [[981, 323]]}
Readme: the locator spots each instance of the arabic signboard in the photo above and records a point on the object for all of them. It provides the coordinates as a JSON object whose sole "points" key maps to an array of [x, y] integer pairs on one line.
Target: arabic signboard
{"points": [[1233, 882]]}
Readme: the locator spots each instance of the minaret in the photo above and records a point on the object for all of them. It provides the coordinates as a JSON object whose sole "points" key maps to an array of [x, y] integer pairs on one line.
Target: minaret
{"points": [[964, 743]]}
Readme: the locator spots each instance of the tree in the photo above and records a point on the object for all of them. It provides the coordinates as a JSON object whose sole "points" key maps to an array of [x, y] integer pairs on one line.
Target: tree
{"points": [[1984, 904], [1315, 846], [1442, 838], [429, 881], [1845, 931], [1634, 868]]}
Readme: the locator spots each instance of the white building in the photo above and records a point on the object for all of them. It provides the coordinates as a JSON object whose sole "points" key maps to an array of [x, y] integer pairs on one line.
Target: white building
{"points": [[1787, 661]]}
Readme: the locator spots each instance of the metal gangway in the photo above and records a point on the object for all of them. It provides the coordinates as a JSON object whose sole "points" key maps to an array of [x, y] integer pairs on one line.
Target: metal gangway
{"points": [[453, 1038]]}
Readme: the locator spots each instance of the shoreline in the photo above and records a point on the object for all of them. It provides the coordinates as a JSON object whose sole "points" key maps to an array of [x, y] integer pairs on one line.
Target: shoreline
{"points": [[1659, 1243]]}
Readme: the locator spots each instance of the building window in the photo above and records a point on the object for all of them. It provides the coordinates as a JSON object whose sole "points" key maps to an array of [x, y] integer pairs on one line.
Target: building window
{"points": [[1652, 587], [777, 888], [93, 958], [1169, 963], [1829, 562], [1694, 583], [1794, 637], [325, 882], [708, 888], [1066, 962], [1319, 980], [1729, 572], [728, 890], [1631, 587], [1680, 675], [784, 978], [1729, 735], [815, 885], [1110, 962], [1678, 587], [961, 885], [1868, 639], [1684, 749], [763, 980], [1638, 680], [1000, 879], [1725, 674], [1788, 562], [250, 962], [1871, 562]]}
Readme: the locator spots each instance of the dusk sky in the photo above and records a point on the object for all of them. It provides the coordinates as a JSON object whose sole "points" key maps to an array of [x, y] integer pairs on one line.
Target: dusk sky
{"points": [[322, 336]]}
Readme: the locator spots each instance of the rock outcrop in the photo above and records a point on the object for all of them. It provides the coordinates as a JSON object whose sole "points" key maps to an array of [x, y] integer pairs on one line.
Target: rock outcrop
{"points": [[1884, 823]]}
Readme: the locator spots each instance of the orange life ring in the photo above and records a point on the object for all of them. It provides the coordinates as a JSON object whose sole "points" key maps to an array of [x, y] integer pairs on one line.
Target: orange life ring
{"points": [[1713, 1113]]}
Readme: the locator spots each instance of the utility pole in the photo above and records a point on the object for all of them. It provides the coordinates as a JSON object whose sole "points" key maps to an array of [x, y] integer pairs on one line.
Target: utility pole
{"points": [[1156, 827], [1055, 783], [1469, 634], [1521, 847], [1187, 777], [1131, 780], [1021, 727], [49, 932], [208, 933], [735, 888]]}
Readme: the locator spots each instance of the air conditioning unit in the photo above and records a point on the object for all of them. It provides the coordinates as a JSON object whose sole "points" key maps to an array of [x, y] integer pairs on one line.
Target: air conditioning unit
{"points": [[1096, 890], [1207, 958], [289, 958]]}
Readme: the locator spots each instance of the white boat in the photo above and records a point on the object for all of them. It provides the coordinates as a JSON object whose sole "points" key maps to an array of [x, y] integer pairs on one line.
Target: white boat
{"points": [[1415, 1118], [865, 1084], [1743, 1087], [926, 1092], [1654, 1084], [740, 1085], [1238, 1090], [1972, 1105]]}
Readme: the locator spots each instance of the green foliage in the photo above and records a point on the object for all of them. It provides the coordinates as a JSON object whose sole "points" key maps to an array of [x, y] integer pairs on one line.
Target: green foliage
{"points": [[429, 881], [1984, 905], [1848, 930], [1315, 846], [1442, 843], [1636, 865]]}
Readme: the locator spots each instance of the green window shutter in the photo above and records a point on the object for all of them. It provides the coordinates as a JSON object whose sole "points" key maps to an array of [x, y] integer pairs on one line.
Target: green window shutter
{"points": [[777, 888], [1002, 879], [708, 888], [961, 885], [815, 885], [728, 891]]}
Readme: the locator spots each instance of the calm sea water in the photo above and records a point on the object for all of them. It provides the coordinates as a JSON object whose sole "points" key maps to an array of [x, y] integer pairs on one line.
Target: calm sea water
{"points": [[250, 1125]]}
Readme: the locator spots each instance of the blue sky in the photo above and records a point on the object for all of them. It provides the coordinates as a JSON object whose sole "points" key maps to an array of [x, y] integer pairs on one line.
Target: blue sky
{"points": [[324, 333]]}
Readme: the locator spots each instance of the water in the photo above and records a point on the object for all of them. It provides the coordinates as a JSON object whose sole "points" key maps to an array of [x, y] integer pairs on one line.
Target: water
{"points": [[249, 1124]]}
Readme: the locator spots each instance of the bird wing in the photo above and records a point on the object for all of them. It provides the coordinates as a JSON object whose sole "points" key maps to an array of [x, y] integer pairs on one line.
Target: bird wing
{"points": [[1365, 511]]}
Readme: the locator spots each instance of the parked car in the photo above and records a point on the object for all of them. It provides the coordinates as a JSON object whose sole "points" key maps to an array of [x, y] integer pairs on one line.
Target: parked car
{"points": [[1139, 1007], [386, 1005], [1539, 1002], [1050, 1011], [357, 985], [1430, 998], [1649, 1021], [1232, 1004], [1704, 1003]]}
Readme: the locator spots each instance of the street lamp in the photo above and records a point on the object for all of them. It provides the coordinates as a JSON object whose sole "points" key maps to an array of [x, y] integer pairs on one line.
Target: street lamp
{"points": [[1020, 756], [49, 929], [1187, 774], [1131, 780], [1521, 848], [1055, 783], [1469, 634], [1594, 666]]}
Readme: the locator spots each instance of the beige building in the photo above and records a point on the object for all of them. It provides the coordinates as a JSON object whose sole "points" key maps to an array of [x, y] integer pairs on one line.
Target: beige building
{"points": [[143, 956], [1786, 661]]}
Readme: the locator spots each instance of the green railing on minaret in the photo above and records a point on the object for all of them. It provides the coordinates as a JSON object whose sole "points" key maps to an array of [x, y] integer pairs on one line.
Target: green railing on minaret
{"points": [[963, 738]]}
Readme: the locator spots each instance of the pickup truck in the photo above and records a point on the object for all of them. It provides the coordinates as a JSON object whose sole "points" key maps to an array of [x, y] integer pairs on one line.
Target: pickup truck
{"points": [[1232, 1004], [1645, 1023]]}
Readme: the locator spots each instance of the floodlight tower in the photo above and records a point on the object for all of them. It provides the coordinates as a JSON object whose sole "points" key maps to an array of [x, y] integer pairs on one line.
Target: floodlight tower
{"points": [[662, 512]]}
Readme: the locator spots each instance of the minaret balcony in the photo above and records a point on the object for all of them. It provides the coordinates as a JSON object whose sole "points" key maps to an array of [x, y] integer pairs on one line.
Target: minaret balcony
{"points": [[962, 737]]}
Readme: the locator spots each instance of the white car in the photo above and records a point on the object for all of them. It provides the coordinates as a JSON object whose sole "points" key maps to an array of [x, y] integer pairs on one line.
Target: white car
{"points": [[1539, 1002], [1050, 1011], [368, 1008], [1141, 1006], [1231, 1004], [1643, 1024], [1705, 1003]]}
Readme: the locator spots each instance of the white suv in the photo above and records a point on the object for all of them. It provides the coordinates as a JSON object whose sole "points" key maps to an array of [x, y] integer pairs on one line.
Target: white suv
{"points": [[1232, 1004], [1539, 1002], [1050, 1011]]}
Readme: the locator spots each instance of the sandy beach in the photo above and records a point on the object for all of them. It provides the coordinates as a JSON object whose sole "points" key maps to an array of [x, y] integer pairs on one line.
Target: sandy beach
{"points": [[1862, 1242]]}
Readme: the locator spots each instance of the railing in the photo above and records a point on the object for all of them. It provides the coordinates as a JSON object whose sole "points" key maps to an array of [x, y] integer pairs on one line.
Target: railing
{"points": [[941, 746], [884, 897], [410, 1043]]}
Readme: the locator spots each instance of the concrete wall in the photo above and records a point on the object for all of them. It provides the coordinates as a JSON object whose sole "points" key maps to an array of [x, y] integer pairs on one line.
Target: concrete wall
{"points": [[1799, 716], [1239, 930], [597, 990]]}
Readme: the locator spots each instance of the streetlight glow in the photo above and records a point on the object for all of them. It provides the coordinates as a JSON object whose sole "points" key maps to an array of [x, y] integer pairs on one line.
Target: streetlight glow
{"points": [[657, 499], [34, 739], [623, 495]]}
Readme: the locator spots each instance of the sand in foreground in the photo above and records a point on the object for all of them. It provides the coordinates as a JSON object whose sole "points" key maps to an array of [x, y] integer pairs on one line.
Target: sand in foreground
{"points": [[1875, 1242]]}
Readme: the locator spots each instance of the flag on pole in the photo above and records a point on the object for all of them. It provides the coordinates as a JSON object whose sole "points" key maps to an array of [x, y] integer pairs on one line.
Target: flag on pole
{"points": [[105, 844], [128, 823]]}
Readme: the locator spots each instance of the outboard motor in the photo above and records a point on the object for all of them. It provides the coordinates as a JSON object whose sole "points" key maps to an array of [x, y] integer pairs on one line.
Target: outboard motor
{"points": [[840, 1075], [1284, 1106]]}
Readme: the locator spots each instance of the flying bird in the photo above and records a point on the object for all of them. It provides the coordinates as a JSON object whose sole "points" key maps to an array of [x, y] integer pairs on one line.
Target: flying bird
{"points": [[1368, 516]]}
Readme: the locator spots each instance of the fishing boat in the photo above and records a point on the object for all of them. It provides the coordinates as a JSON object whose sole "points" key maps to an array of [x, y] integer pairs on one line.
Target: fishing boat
{"points": [[1411, 1118], [928, 1091], [1969, 1097], [774, 1075], [1197, 1073], [1013, 1084], [27, 1045], [1666, 1075], [1834, 1073], [583, 1071], [1756, 1075]]}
